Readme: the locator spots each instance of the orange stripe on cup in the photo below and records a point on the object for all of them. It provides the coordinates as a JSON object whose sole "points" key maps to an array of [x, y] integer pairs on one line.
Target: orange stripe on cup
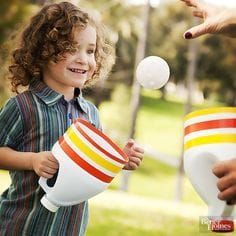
{"points": [[212, 124], [82, 163]]}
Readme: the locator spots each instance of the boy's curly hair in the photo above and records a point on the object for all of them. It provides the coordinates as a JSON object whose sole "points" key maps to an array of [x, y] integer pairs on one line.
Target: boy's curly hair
{"points": [[49, 36]]}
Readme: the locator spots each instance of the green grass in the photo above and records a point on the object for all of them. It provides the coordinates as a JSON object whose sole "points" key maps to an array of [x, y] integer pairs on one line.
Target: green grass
{"points": [[160, 125], [159, 122], [138, 223], [157, 180], [153, 179], [115, 213]]}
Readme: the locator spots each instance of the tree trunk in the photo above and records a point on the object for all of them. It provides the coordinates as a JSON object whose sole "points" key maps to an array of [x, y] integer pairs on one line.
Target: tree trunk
{"points": [[190, 76], [135, 98]]}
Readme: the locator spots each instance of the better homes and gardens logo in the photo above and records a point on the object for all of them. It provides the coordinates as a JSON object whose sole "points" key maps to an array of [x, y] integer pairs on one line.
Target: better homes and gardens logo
{"points": [[215, 224]]}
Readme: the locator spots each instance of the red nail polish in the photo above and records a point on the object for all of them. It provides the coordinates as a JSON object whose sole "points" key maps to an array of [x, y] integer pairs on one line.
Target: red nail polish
{"points": [[188, 35]]}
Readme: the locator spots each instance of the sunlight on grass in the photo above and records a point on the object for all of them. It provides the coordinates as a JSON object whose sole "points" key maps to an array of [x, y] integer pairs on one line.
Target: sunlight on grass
{"points": [[117, 213], [157, 180], [159, 123]]}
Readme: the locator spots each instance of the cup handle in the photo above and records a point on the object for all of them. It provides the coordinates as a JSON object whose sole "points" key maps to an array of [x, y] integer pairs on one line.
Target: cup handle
{"points": [[43, 183]]}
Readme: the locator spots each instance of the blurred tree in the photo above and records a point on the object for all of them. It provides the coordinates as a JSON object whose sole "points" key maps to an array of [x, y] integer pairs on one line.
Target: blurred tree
{"points": [[167, 24], [193, 50], [14, 13], [124, 23], [136, 88], [216, 70]]}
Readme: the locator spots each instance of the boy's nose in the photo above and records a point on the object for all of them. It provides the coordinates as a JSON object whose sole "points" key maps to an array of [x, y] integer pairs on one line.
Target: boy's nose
{"points": [[81, 58]]}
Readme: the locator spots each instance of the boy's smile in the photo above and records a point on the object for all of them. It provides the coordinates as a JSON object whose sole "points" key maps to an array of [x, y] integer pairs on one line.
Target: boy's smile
{"points": [[73, 71], [79, 71]]}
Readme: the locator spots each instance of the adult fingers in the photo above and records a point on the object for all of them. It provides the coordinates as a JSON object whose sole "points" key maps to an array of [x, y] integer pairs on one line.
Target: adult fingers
{"points": [[228, 194], [220, 169], [226, 181], [196, 4], [190, 3], [199, 14], [196, 31]]}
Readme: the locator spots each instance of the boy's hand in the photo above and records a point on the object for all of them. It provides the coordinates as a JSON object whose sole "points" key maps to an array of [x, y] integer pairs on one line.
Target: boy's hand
{"points": [[135, 154], [44, 164]]}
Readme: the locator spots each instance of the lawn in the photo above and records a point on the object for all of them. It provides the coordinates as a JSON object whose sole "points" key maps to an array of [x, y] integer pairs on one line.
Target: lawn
{"points": [[116, 213]]}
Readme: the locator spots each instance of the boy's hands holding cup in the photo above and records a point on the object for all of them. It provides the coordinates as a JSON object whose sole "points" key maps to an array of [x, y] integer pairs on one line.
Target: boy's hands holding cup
{"points": [[134, 153], [44, 164]]}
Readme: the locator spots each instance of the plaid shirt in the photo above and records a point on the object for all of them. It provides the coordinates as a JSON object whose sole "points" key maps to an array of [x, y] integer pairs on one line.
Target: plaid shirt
{"points": [[32, 122]]}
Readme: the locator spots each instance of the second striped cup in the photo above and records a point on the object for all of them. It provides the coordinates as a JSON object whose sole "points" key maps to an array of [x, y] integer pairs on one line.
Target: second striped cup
{"points": [[209, 137]]}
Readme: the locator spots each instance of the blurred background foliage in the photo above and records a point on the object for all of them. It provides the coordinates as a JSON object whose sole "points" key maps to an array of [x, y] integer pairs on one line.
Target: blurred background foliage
{"points": [[159, 121], [216, 55]]}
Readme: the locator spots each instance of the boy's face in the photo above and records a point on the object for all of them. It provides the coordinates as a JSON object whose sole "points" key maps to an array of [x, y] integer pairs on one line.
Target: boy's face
{"points": [[73, 71]]}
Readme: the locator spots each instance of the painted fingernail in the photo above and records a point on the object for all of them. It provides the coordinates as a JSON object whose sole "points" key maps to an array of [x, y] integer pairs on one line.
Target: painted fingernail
{"points": [[188, 35]]}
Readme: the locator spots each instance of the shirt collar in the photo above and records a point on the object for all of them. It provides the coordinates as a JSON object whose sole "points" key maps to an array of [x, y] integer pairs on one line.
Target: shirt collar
{"points": [[51, 97]]}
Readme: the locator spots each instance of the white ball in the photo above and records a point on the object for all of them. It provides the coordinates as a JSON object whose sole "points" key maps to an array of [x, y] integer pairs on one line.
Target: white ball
{"points": [[152, 72]]}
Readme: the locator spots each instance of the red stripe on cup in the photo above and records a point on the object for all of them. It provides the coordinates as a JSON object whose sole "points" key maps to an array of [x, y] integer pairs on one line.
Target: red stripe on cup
{"points": [[108, 140], [82, 163], [212, 124]]}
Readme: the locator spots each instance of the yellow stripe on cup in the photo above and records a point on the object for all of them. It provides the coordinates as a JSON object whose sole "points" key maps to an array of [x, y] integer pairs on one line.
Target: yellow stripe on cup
{"points": [[210, 111], [98, 159], [210, 139]]}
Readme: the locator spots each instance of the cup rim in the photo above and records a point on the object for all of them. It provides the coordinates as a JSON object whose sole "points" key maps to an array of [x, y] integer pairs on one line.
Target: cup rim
{"points": [[208, 111], [104, 136]]}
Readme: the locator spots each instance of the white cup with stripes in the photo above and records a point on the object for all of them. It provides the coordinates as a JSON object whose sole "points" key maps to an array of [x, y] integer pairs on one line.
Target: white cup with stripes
{"points": [[88, 162], [209, 137]]}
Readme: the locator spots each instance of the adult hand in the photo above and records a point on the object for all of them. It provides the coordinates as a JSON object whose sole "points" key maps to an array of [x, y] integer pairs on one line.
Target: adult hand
{"points": [[226, 172], [216, 20]]}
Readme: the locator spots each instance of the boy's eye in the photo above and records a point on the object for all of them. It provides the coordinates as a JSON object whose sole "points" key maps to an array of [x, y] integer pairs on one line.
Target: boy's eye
{"points": [[91, 51]]}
